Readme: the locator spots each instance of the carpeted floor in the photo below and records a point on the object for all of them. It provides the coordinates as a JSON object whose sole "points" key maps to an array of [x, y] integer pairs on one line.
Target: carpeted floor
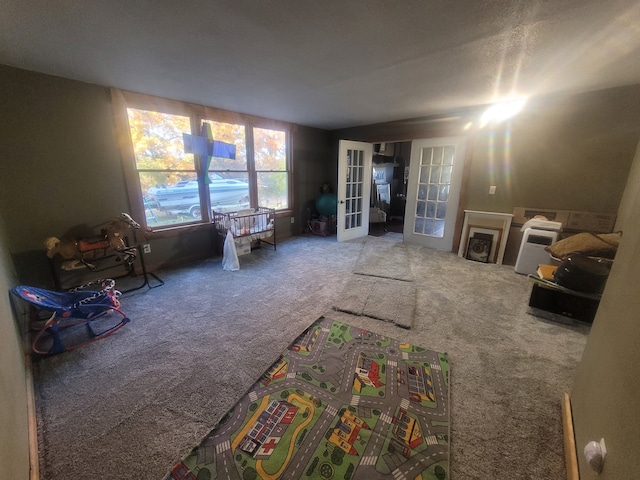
{"points": [[379, 298], [385, 257], [131, 405], [382, 286]]}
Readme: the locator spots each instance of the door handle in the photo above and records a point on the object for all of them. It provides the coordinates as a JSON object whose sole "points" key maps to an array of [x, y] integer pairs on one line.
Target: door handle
{"points": [[341, 201]]}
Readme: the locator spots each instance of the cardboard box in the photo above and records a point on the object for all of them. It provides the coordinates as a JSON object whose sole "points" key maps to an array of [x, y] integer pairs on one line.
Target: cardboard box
{"points": [[243, 245], [318, 227]]}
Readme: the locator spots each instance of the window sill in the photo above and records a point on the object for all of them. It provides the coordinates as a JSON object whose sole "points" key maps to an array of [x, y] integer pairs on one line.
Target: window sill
{"points": [[284, 213], [175, 230]]}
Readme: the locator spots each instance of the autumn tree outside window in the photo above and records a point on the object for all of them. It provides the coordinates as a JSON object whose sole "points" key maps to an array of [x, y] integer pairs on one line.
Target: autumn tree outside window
{"points": [[171, 187]]}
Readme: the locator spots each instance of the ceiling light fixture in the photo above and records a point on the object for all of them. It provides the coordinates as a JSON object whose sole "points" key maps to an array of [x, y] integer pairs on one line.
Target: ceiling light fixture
{"points": [[501, 111]]}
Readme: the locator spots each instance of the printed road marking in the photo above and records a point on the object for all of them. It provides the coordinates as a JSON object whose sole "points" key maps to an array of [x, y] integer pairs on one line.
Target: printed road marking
{"points": [[386, 418], [223, 447], [398, 474], [431, 440]]}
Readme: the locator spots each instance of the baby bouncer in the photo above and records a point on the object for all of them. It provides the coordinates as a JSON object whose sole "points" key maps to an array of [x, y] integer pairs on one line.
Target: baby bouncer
{"points": [[94, 305]]}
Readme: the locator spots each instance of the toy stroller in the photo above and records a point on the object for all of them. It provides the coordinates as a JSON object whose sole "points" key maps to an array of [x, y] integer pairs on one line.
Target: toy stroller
{"points": [[78, 306]]}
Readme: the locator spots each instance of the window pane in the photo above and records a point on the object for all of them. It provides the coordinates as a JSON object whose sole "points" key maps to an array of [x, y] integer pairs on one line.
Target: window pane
{"points": [[448, 155], [172, 200], [437, 156], [443, 196], [234, 134], [270, 149], [167, 175], [431, 209], [428, 227], [435, 175], [229, 191], [157, 140], [426, 156], [273, 189], [446, 175], [424, 174], [438, 228]]}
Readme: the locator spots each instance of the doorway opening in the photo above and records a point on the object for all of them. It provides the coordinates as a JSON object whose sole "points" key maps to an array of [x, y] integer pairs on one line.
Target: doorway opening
{"points": [[390, 173]]}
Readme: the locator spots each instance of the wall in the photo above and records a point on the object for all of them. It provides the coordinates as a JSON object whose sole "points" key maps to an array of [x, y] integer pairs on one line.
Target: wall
{"points": [[313, 166], [606, 390], [14, 442], [567, 153], [62, 170], [563, 152]]}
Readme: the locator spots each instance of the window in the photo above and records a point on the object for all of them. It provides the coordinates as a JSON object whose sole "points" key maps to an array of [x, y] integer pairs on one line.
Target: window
{"points": [[166, 173], [170, 185], [433, 190], [229, 187], [270, 153]]}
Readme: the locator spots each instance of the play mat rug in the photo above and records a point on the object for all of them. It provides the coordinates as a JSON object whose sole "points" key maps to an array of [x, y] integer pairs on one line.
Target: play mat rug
{"points": [[339, 403]]}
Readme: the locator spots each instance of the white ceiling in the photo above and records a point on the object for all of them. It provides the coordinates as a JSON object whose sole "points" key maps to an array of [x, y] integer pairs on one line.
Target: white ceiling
{"points": [[329, 64]]}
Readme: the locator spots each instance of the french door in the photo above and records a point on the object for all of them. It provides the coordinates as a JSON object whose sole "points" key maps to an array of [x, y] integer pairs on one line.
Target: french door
{"points": [[435, 178], [354, 189]]}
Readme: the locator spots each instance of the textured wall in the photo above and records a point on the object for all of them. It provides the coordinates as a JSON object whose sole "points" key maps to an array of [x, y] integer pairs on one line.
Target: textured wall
{"points": [[14, 444], [605, 394], [566, 153], [569, 152]]}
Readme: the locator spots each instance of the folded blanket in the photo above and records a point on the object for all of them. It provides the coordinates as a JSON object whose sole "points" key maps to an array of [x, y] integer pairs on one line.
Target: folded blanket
{"points": [[602, 245]]}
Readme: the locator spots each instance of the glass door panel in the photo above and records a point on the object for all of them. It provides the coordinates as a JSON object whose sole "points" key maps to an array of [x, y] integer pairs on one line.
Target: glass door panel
{"points": [[432, 198], [354, 187]]}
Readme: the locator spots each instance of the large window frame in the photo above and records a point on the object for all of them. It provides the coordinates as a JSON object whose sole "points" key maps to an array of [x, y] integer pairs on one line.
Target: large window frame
{"points": [[198, 114]]}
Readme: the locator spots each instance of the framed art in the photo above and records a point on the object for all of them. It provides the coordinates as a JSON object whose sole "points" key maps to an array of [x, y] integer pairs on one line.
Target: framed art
{"points": [[490, 234], [479, 249]]}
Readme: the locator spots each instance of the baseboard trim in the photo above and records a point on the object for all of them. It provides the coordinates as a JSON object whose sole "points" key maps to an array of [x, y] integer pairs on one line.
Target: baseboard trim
{"points": [[34, 465], [570, 456]]}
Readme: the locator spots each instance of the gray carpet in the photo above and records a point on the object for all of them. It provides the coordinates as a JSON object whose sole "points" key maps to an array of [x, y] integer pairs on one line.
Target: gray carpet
{"points": [[384, 258], [380, 298], [131, 405], [380, 287]]}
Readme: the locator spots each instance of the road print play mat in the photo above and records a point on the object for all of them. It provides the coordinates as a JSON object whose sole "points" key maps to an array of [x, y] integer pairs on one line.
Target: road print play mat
{"points": [[339, 403]]}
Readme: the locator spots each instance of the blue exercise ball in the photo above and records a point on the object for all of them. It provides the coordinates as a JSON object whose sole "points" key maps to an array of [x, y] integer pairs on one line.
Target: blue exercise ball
{"points": [[327, 204]]}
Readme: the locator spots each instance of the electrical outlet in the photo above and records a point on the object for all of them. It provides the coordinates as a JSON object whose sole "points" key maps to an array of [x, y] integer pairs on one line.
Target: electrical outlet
{"points": [[146, 248], [492, 190], [293, 219]]}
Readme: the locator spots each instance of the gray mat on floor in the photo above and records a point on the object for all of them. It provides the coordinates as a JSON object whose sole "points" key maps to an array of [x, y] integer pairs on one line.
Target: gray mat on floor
{"points": [[380, 298], [384, 259]]}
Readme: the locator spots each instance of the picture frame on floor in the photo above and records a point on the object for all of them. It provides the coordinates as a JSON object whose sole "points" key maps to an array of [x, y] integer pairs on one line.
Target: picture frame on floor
{"points": [[494, 234], [479, 249]]}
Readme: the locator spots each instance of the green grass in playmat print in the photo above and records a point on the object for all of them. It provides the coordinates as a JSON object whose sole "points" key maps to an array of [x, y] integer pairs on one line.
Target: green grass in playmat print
{"points": [[330, 461], [340, 334], [392, 446], [311, 409]]}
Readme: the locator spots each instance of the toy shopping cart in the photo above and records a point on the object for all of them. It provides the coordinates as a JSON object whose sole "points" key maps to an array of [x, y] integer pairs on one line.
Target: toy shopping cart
{"points": [[96, 309]]}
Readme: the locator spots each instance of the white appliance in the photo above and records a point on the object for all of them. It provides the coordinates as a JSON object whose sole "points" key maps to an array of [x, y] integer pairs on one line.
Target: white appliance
{"points": [[535, 239]]}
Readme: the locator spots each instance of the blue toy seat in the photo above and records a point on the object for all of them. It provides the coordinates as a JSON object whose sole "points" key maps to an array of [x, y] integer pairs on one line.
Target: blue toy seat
{"points": [[79, 306]]}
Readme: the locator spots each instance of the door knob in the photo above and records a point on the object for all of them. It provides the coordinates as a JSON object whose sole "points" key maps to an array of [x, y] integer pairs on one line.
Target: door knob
{"points": [[341, 201]]}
